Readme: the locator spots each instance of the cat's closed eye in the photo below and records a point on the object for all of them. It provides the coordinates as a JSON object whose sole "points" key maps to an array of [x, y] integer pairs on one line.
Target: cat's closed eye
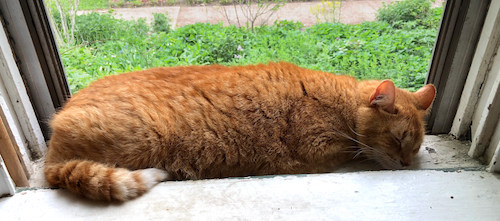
{"points": [[397, 139], [406, 134]]}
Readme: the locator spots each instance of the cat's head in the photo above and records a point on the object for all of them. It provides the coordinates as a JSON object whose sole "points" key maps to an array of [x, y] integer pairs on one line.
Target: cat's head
{"points": [[390, 124]]}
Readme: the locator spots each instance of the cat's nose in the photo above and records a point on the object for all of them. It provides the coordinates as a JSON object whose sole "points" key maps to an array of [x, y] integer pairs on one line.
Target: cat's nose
{"points": [[405, 164]]}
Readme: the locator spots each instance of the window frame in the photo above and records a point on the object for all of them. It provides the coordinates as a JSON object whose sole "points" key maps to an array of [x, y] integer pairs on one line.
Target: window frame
{"points": [[33, 44], [458, 35]]}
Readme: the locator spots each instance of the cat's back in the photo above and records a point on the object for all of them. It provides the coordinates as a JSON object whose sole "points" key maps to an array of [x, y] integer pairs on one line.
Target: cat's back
{"points": [[172, 83]]}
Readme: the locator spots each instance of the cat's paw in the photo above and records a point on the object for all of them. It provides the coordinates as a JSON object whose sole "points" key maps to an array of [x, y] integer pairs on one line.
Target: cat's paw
{"points": [[152, 176]]}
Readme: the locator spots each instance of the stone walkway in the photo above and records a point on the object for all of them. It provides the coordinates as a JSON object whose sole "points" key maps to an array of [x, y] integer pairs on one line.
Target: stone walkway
{"points": [[352, 12]]}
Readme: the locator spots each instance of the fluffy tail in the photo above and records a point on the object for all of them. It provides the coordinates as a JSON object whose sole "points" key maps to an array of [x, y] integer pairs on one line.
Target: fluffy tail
{"points": [[98, 181]]}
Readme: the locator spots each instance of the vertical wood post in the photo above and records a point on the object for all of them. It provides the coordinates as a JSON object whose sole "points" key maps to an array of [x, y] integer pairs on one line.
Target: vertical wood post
{"points": [[10, 158]]}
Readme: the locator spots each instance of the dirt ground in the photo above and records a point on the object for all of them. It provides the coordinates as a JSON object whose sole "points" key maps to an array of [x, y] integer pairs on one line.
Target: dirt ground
{"points": [[352, 12]]}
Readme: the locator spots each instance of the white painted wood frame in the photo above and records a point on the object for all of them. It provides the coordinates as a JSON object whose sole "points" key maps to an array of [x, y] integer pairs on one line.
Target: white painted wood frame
{"points": [[16, 108], [6, 184], [459, 34], [479, 108], [481, 64], [24, 46], [492, 153]]}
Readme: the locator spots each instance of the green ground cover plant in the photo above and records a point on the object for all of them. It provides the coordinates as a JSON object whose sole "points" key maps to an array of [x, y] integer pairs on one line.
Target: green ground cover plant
{"points": [[398, 12], [372, 50], [93, 4]]}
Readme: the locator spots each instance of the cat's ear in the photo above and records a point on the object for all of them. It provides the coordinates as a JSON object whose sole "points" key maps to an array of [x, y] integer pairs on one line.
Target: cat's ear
{"points": [[425, 96], [384, 96]]}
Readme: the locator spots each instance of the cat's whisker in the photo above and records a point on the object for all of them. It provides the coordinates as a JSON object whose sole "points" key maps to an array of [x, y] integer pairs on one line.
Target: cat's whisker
{"points": [[389, 162], [349, 151], [365, 160], [380, 164], [364, 147], [357, 155], [378, 159], [378, 152], [381, 158], [361, 135], [350, 138]]}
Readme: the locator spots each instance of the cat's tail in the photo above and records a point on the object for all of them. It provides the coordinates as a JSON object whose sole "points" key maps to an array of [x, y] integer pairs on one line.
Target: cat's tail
{"points": [[99, 181]]}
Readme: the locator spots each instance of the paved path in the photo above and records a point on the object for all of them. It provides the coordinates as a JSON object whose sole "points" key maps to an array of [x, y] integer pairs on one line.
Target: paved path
{"points": [[352, 12]]}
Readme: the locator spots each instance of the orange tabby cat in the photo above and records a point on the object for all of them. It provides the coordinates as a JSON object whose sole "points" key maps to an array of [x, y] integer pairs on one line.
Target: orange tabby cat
{"points": [[125, 133]]}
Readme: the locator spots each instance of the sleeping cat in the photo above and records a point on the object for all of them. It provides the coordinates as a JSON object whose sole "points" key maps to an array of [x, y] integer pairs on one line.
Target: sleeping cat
{"points": [[123, 134]]}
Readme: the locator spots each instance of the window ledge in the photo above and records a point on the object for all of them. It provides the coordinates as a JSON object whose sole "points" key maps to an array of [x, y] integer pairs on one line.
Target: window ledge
{"points": [[377, 195]]}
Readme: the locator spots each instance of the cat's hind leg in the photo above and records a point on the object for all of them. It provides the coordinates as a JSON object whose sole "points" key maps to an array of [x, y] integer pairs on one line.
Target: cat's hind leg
{"points": [[99, 181]]}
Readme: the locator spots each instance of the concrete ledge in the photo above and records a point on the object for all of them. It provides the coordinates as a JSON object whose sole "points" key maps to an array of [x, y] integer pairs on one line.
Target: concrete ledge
{"points": [[376, 195]]}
